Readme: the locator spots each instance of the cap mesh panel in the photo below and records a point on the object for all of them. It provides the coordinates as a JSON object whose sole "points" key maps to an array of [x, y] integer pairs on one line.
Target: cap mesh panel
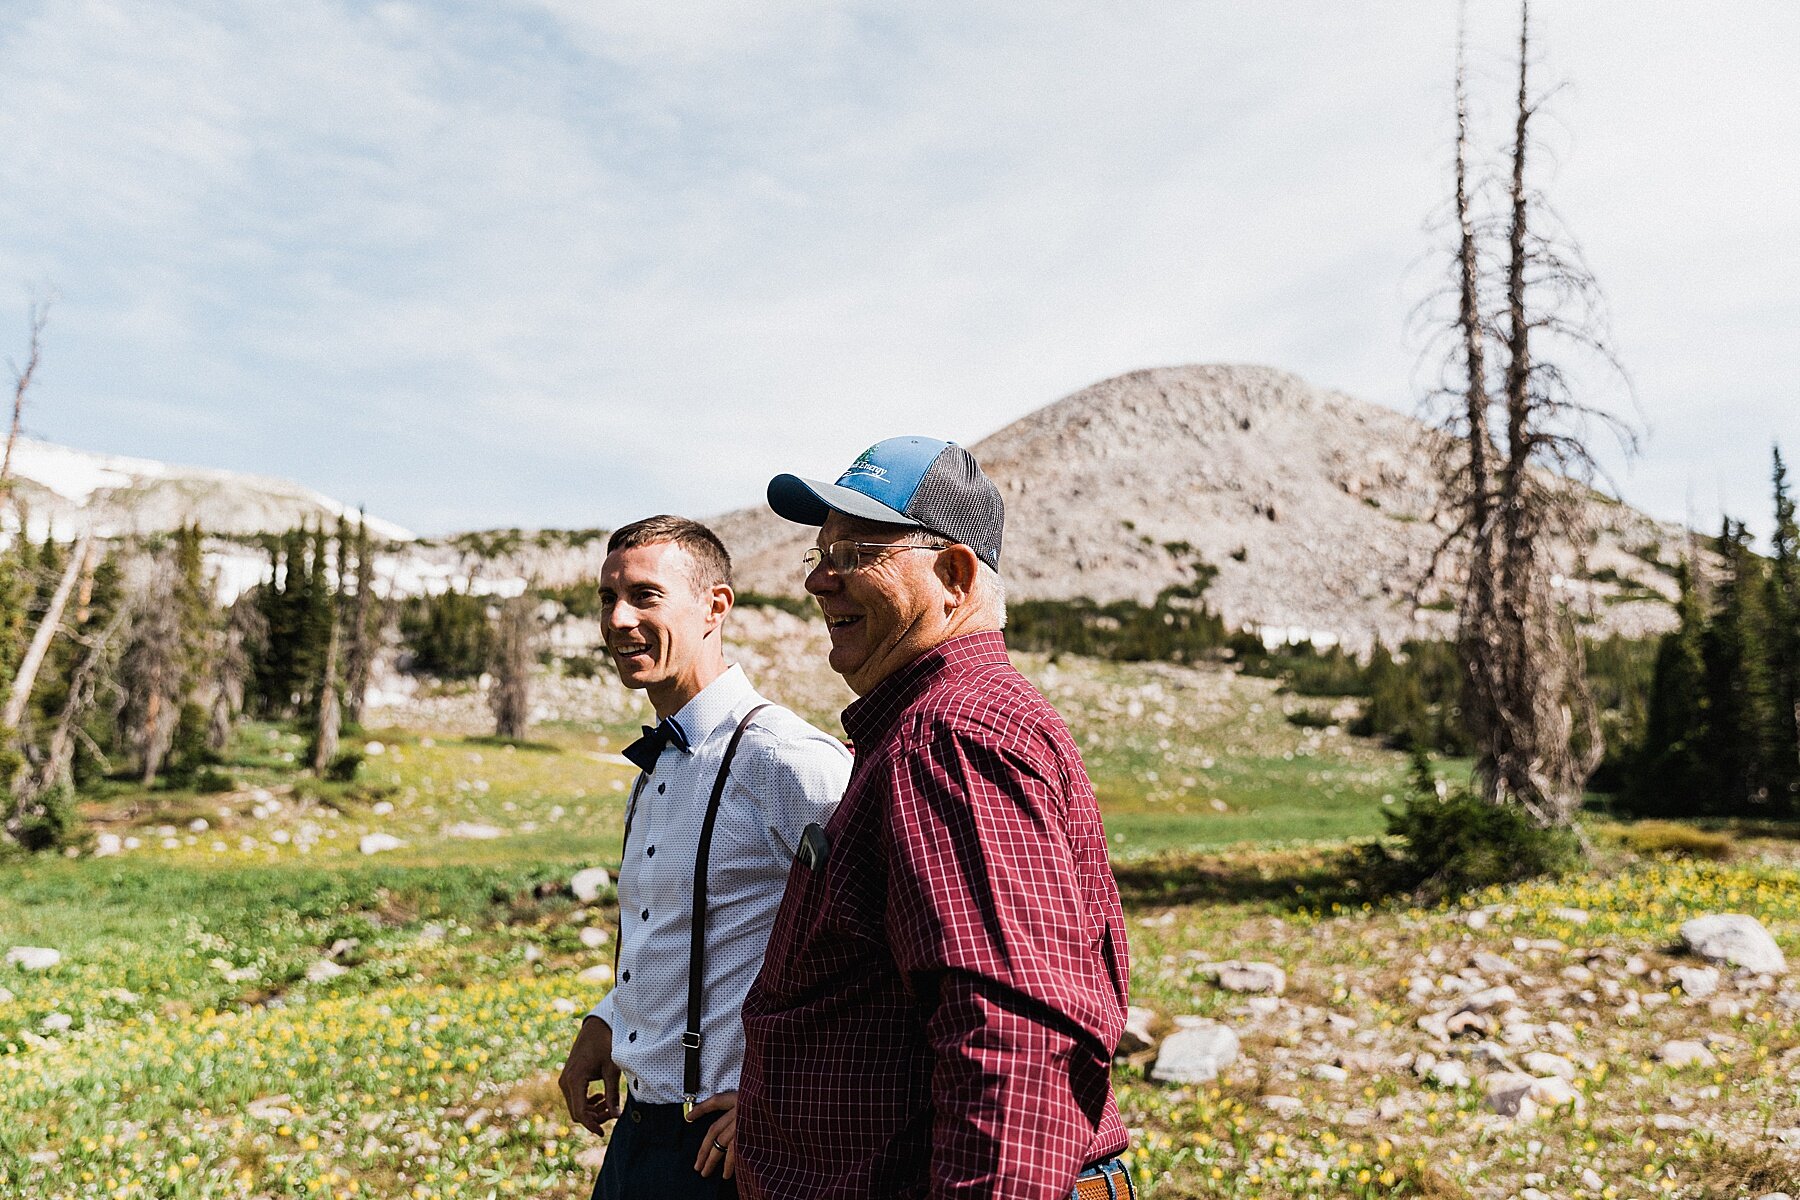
{"points": [[956, 500]]}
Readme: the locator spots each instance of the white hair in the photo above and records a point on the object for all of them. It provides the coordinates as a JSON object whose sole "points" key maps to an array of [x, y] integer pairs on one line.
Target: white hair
{"points": [[992, 590]]}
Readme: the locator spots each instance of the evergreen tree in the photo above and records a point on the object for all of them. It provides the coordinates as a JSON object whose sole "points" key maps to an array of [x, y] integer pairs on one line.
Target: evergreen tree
{"points": [[1396, 705], [361, 653], [1673, 776], [1738, 690], [1783, 606]]}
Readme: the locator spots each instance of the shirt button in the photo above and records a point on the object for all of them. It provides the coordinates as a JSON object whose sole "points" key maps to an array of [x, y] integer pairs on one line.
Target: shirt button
{"points": [[625, 978], [661, 788], [645, 915], [650, 853], [632, 1036]]}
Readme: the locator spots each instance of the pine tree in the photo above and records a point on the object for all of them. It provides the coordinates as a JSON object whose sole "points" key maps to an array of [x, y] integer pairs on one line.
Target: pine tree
{"points": [[1738, 690], [361, 655], [1673, 776], [1783, 605]]}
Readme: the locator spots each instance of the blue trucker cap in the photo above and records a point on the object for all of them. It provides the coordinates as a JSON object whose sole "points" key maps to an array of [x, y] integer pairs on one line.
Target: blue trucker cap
{"points": [[928, 484]]}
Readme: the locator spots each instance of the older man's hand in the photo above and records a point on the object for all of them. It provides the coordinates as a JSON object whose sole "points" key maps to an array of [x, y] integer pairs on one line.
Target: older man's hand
{"points": [[590, 1060]]}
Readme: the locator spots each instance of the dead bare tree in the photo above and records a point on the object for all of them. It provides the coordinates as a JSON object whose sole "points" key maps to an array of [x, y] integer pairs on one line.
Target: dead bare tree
{"points": [[84, 682], [1516, 468], [40, 316], [515, 646], [246, 631], [151, 671]]}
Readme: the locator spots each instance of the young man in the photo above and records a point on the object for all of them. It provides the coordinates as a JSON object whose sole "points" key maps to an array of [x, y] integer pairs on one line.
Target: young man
{"points": [[946, 983], [665, 591]]}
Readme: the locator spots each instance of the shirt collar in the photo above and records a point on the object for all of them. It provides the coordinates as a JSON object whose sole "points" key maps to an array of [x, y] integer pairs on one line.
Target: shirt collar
{"points": [[869, 717], [716, 704]]}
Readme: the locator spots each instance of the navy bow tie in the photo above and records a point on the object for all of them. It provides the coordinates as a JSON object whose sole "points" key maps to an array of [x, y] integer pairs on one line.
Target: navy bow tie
{"points": [[646, 750]]}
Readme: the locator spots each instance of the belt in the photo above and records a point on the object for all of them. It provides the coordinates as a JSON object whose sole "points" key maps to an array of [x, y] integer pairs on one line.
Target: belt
{"points": [[1107, 1180]]}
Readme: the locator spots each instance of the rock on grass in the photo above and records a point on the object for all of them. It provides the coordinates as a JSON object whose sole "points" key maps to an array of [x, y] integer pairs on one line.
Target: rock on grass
{"points": [[1195, 1054], [33, 958], [1734, 940]]}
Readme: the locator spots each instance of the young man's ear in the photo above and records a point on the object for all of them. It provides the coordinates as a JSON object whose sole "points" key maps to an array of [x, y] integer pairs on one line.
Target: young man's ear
{"points": [[956, 569], [722, 600]]}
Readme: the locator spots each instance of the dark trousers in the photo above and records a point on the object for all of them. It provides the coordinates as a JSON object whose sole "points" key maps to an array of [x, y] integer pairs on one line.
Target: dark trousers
{"points": [[650, 1156]]}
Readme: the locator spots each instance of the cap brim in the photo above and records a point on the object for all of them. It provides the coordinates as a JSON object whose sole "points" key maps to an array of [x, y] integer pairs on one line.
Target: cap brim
{"points": [[809, 502]]}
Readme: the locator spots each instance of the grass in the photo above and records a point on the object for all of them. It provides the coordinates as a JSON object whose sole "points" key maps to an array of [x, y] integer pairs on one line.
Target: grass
{"points": [[201, 1061]]}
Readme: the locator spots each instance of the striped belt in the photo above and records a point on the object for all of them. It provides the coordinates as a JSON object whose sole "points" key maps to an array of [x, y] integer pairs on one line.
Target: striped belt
{"points": [[1107, 1180]]}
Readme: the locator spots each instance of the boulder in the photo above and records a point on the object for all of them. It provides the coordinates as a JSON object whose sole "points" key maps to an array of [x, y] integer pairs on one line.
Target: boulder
{"points": [[1252, 977], [589, 883], [594, 937], [1195, 1054], [33, 958], [1542, 1063], [56, 1022], [378, 843], [473, 831], [107, 844], [1137, 1037], [1734, 940], [1679, 1054], [1510, 1096], [1472, 1023], [1554, 1092], [1281, 1106], [1449, 1074], [1490, 998], [323, 970], [1492, 964], [1696, 982], [601, 974]]}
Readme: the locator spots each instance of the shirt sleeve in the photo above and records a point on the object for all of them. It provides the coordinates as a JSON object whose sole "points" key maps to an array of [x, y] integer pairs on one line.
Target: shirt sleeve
{"points": [[796, 780], [985, 922]]}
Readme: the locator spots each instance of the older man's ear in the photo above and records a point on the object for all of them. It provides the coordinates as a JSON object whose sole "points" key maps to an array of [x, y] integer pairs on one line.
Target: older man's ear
{"points": [[957, 569]]}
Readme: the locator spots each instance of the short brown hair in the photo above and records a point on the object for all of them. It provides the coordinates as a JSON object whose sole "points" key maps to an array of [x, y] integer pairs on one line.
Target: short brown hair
{"points": [[712, 562]]}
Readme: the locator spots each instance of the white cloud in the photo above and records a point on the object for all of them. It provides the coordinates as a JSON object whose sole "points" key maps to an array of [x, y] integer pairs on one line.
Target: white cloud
{"points": [[560, 262]]}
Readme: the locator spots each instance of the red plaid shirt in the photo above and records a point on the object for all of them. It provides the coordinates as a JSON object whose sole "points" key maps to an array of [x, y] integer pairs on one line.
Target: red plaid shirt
{"points": [[939, 1005]]}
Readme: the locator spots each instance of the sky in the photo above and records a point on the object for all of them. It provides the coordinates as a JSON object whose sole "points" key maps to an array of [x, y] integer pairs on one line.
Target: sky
{"points": [[563, 263]]}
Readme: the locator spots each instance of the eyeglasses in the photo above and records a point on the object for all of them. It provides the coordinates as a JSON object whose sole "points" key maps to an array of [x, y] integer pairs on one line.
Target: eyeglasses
{"points": [[845, 557]]}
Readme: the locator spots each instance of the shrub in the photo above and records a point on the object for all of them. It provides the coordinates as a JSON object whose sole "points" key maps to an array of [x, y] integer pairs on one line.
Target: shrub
{"points": [[49, 822], [1674, 838], [581, 666], [344, 767], [1451, 842], [211, 779]]}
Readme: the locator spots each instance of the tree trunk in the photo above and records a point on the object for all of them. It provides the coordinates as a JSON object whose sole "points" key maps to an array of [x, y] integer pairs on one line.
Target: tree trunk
{"points": [[325, 740], [40, 642]]}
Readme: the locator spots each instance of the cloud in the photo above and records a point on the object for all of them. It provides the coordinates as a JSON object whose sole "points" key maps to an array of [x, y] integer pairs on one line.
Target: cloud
{"points": [[564, 263]]}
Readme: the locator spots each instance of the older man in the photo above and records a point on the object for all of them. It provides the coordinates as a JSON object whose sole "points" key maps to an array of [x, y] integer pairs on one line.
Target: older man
{"points": [[729, 783], [946, 982]]}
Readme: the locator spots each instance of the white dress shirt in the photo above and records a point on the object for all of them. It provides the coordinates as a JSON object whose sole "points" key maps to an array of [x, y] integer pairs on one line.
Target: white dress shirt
{"points": [[784, 775]]}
